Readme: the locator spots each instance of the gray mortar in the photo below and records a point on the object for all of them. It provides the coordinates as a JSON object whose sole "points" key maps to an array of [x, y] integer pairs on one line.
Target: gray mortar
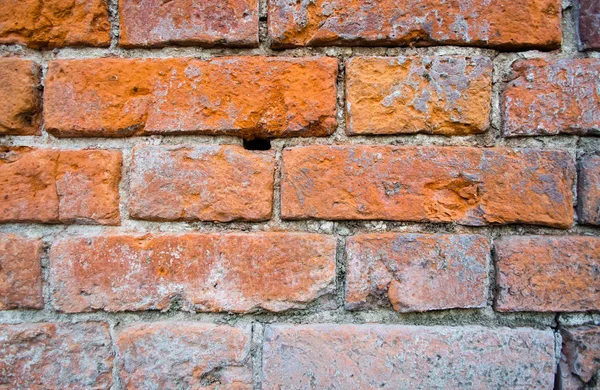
{"points": [[328, 309]]}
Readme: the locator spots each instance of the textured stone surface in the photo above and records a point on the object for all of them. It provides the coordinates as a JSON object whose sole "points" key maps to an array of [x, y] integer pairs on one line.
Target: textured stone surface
{"points": [[20, 111], [411, 357], [185, 355], [54, 23], [245, 96], [203, 272], [207, 182], [553, 97], [589, 24], [469, 186], [580, 358], [416, 272], [56, 356], [548, 273], [54, 186], [20, 273], [158, 23], [438, 95], [518, 25], [589, 190]]}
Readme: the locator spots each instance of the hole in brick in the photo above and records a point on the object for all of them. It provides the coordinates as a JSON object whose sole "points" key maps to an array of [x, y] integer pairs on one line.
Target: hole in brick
{"points": [[257, 144]]}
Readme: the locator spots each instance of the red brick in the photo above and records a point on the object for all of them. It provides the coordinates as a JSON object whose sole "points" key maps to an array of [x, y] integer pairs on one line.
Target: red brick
{"points": [[159, 23], [522, 24], [202, 272], [580, 358], [54, 23], [244, 96], [438, 95], [411, 357], [20, 273], [56, 356], [207, 182], [549, 97], [54, 186], [416, 272], [20, 111], [589, 24], [173, 355], [548, 273], [589, 190], [470, 186]]}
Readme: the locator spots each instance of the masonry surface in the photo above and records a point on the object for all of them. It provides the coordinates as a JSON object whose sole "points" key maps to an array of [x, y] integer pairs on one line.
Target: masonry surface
{"points": [[267, 194]]}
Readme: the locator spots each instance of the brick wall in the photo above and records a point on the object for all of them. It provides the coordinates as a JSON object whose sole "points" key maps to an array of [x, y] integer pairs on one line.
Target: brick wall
{"points": [[316, 194]]}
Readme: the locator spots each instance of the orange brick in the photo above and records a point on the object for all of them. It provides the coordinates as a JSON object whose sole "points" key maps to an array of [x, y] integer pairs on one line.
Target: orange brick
{"points": [[208, 182], [20, 111], [54, 186], [56, 356], [203, 272], [54, 23], [20, 273], [438, 95], [589, 190], [548, 273], [549, 97], [157, 23], [416, 272], [470, 186], [520, 24], [171, 355], [245, 96]]}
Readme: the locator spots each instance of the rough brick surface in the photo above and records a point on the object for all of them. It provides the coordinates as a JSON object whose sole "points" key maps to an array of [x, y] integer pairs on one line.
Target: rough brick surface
{"points": [[158, 23], [580, 358], [54, 186], [203, 272], [20, 273], [519, 25], [589, 24], [438, 95], [214, 183], [186, 355], [416, 272], [54, 23], [470, 186], [548, 273], [553, 97], [245, 96], [380, 356], [20, 111], [56, 356], [589, 190]]}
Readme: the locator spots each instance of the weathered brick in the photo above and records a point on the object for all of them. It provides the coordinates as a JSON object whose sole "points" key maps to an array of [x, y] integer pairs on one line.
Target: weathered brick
{"points": [[589, 190], [54, 186], [553, 97], [522, 24], [469, 186], [416, 272], [589, 24], [437, 95], [54, 23], [202, 272], [185, 355], [208, 182], [56, 356], [246, 96], [159, 23], [20, 273], [411, 357], [580, 358], [548, 273], [20, 111]]}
